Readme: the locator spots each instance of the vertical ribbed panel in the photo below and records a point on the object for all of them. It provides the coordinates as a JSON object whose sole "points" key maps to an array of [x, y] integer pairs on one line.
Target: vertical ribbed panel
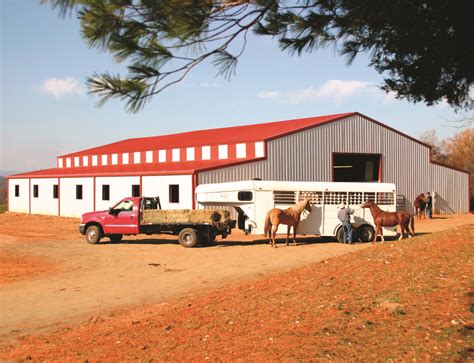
{"points": [[307, 156]]}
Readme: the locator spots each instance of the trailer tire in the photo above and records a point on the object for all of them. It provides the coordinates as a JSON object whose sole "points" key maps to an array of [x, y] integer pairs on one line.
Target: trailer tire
{"points": [[188, 237], [340, 235], [93, 234], [366, 233], [116, 238]]}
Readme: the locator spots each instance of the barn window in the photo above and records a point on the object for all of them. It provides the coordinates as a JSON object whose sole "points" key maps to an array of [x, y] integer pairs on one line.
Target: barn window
{"points": [[174, 193], [17, 190], [356, 167], [35, 191], [79, 191], [105, 192], [135, 190], [55, 191]]}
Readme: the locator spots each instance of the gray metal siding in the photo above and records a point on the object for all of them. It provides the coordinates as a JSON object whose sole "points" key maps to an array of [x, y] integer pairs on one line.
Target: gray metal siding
{"points": [[307, 156]]}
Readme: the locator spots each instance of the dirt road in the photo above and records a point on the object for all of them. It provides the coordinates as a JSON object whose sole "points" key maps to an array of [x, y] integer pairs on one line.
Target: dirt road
{"points": [[84, 280]]}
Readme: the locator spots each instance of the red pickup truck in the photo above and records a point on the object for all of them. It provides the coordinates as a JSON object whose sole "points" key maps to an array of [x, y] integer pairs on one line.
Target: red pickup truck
{"points": [[127, 218]]}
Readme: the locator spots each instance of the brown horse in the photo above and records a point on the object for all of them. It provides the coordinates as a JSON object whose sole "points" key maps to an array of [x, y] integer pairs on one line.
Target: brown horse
{"points": [[290, 216], [390, 219], [420, 204]]}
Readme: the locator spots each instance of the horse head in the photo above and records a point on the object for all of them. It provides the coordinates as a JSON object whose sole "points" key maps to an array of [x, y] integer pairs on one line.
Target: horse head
{"points": [[367, 204], [307, 205]]}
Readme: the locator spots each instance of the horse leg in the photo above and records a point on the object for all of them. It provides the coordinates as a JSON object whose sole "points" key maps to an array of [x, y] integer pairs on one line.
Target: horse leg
{"points": [[407, 230], [270, 234], [274, 232], [288, 234], [294, 234], [375, 234], [380, 230], [401, 231]]}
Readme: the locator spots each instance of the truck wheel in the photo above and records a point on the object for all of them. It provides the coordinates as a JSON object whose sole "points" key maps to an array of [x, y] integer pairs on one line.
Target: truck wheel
{"points": [[366, 233], [188, 237], [93, 235], [340, 235], [116, 238]]}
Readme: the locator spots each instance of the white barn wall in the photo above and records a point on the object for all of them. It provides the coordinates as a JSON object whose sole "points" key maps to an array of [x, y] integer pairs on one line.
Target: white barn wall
{"points": [[21, 203], [307, 156], [70, 206], [120, 187], [45, 203], [153, 186]]}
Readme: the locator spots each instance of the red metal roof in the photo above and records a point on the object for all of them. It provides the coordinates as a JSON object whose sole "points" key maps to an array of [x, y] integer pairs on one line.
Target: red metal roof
{"points": [[185, 167], [226, 135]]}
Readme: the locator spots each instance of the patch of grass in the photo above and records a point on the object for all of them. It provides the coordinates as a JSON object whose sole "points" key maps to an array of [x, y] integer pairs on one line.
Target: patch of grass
{"points": [[471, 308], [3, 208], [399, 312], [394, 299]]}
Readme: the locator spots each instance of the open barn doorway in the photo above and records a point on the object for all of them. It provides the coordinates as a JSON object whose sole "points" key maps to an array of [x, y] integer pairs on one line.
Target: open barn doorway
{"points": [[357, 167]]}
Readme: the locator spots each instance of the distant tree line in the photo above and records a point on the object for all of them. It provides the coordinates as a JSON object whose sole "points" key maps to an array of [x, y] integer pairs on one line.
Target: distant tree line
{"points": [[3, 190]]}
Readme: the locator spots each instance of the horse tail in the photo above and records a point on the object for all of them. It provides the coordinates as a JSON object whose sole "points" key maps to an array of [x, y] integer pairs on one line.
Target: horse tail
{"points": [[412, 224], [267, 223]]}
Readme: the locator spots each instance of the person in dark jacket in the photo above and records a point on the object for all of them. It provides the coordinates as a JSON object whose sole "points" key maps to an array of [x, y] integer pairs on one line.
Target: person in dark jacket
{"points": [[344, 215], [429, 206]]}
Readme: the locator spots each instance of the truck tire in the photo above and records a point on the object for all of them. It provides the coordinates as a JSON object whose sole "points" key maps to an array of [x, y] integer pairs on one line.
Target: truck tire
{"points": [[366, 233], [93, 234], [188, 237], [116, 238]]}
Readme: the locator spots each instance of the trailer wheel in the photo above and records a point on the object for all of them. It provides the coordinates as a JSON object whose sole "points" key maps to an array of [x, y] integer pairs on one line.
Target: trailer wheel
{"points": [[340, 235], [93, 235], [366, 233], [116, 238], [188, 237]]}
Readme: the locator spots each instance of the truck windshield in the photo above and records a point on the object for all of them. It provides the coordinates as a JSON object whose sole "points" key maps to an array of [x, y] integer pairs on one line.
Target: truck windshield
{"points": [[124, 206]]}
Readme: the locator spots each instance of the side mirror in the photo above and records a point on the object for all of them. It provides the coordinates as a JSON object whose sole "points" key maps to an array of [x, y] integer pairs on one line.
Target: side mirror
{"points": [[110, 210]]}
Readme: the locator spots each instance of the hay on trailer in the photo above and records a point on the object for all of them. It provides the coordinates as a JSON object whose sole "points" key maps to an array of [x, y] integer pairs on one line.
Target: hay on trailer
{"points": [[151, 216]]}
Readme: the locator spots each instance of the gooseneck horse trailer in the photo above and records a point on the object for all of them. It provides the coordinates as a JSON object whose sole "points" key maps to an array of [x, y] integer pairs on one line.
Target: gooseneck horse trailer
{"points": [[252, 200]]}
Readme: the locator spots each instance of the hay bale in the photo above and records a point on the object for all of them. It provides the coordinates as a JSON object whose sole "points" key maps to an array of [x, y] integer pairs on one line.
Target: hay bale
{"points": [[172, 216]]}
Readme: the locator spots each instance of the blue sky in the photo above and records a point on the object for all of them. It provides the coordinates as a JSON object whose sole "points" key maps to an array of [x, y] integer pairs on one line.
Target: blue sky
{"points": [[45, 110]]}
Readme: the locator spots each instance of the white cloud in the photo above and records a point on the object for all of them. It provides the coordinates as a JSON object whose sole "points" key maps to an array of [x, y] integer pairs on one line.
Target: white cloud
{"points": [[339, 90], [335, 89], [268, 95], [59, 87]]}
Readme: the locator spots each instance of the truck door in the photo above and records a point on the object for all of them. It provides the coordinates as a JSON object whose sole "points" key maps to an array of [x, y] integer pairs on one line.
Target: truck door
{"points": [[123, 218]]}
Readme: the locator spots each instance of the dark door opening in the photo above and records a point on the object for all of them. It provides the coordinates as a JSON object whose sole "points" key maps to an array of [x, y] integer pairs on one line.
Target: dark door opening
{"points": [[356, 167]]}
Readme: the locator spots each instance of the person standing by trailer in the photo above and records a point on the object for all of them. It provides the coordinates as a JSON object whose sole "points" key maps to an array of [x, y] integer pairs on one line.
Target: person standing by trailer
{"points": [[344, 215], [429, 206]]}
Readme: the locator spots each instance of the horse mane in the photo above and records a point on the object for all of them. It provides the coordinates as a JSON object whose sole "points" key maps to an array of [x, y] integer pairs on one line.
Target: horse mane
{"points": [[375, 206]]}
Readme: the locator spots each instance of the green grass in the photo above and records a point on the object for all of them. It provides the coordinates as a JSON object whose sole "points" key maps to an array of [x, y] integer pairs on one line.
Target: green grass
{"points": [[3, 208]]}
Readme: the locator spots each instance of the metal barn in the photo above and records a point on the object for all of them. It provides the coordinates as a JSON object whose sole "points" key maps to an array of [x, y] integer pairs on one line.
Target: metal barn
{"points": [[347, 147]]}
